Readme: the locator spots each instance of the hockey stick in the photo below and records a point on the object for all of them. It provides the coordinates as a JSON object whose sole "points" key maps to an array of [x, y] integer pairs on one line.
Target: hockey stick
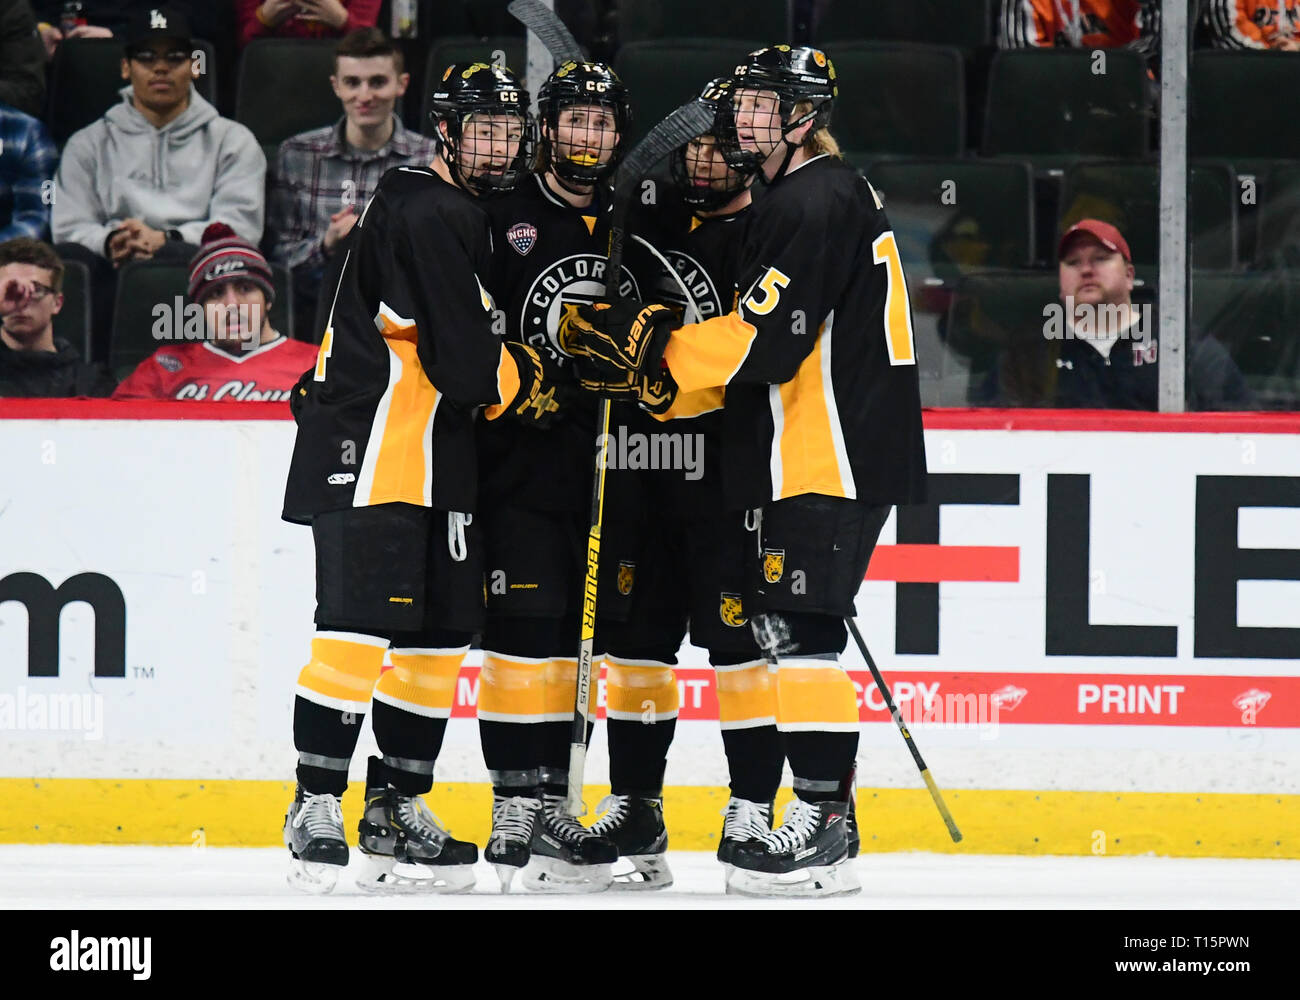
{"points": [[550, 30], [902, 728], [679, 128]]}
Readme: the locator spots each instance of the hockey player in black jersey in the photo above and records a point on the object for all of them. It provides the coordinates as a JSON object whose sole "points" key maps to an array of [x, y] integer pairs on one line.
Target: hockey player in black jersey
{"points": [[687, 547], [822, 429], [383, 471], [551, 237]]}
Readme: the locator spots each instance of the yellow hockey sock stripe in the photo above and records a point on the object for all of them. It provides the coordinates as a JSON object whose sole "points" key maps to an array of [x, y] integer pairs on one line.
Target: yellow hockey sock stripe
{"points": [[815, 695], [640, 690], [422, 681], [561, 688], [342, 670], [512, 688], [746, 695]]}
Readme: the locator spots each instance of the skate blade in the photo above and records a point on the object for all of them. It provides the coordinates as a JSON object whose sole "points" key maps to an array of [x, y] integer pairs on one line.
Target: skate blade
{"points": [[314, 877], [648, 872], [817, 881], [505, 875], [378, 876], [553, 875]]}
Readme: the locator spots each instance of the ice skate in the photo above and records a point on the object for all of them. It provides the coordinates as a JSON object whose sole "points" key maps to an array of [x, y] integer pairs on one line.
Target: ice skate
{"points": [[743, 822], [398, 829], [636, 826], [313, 832], [565, 855], [807, 855], [509, 845]]}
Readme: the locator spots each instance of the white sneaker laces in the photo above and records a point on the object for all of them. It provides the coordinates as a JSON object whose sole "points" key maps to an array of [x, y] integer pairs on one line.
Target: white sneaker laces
{"points": [[322, 815], [798, 823], [745, 820], [615, 808], [513, 818], [561, 822], [412, 811]]}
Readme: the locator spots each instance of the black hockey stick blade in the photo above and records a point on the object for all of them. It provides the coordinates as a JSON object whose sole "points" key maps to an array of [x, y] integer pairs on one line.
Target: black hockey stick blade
{"points": [[679, 128], [542, 22]]}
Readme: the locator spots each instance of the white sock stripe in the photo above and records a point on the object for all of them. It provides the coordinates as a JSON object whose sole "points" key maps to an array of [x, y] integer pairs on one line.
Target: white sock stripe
{"points": [[511, 658], [411, 651], [507, 717], [766, 720], [818, 727], [620, 662], [809, 663], [638, 716], [373, 641], [727, 668], [325, 701], [421, 710]]}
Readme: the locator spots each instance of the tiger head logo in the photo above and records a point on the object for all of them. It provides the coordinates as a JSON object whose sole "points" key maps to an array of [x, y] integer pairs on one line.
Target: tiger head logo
{"points": [[626, 577], [773, 565], [731, 612]]}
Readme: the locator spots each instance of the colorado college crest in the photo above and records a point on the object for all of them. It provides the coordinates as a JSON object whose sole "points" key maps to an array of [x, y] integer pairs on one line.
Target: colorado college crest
{"points": [[730, 611], [773, 565], [563, 286], [522, 236], [626, 577]]}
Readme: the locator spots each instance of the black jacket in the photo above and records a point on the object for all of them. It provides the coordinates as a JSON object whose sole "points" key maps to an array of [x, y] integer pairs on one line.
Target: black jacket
{"points": [[45, 374], [22, 58]]}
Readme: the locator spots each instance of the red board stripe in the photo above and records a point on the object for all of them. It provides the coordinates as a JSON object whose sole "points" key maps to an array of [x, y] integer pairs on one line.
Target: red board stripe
{"points": [[939, 563]]}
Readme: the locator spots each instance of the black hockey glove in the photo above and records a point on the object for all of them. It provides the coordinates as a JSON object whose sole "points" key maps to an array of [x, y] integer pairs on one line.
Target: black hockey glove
{"points": [[625, 335], [298, 394], [653, 396], [543, 386]]}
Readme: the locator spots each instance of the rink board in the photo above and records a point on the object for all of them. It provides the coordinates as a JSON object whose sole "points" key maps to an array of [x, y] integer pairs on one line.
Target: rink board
{"points": [[1135, 671]]}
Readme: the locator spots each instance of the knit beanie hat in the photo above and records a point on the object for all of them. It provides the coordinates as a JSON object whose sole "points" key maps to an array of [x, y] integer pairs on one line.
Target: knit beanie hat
{"points": [[224, 256]]}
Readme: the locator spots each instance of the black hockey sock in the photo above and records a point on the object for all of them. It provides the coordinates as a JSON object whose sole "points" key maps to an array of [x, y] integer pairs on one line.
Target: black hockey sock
{"points": [[410, 744], [755, 757], [820, 760], [325, 739], [641, 702], [638, 754]]}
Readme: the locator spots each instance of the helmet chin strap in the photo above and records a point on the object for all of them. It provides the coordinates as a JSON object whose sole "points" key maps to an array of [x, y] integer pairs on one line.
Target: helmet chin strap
{"points": [[571, 188], [790, 147]]}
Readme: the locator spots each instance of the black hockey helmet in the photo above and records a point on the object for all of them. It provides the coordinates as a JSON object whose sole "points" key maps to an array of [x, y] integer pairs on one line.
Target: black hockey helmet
{"points": [[686, 161], [583, 83], [467, 89], [795, 74]]}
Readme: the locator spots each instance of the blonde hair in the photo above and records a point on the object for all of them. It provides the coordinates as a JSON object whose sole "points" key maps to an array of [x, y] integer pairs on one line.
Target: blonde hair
{"points": [[817, 141]]}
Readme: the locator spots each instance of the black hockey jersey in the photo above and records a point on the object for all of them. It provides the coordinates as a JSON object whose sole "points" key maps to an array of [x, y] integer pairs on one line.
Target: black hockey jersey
{"points": [[549, 258], [407, 357], [818, 358], [704, 254]]}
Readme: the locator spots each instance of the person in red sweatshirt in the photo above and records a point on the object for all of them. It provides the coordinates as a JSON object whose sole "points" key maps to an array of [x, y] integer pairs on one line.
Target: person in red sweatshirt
{"points": [[303, 18], [242, 358]]}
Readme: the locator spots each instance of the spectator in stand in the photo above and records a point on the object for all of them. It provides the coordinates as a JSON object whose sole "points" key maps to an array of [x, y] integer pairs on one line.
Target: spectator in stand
{"points": [[1254, 24], [27, 160], [324, 178], [303, 18], [33, 362], [146, 179], [1080, 361], [110, 18], [243, 358], [1086, 24], [22, 60]]}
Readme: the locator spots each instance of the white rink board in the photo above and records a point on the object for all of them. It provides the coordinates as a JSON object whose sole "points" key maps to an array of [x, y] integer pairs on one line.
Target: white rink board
{"points": [[184, 518]]}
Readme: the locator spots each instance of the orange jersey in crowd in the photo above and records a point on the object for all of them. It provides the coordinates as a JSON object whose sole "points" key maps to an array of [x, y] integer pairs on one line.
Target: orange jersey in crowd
{"points": [[1088, 24], [198, 371], [1254, 24]]}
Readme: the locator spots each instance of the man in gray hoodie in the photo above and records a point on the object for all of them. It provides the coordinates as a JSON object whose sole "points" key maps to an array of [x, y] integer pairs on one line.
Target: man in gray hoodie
{"points": [[147, 178]]}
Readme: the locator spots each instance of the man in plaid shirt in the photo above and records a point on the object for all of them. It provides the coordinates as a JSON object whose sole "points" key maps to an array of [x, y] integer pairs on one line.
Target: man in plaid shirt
{"points": [[324, 177], [27, 161]]}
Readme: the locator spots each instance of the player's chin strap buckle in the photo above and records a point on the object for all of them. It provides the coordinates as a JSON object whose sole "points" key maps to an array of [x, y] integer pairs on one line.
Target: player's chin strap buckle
{"points": [[456, 524]]}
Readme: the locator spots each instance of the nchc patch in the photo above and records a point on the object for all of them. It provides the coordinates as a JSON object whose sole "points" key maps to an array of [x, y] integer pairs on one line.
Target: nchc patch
{"points": [[731, 612], [773, 565], [522, 236], [626, 577]]}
